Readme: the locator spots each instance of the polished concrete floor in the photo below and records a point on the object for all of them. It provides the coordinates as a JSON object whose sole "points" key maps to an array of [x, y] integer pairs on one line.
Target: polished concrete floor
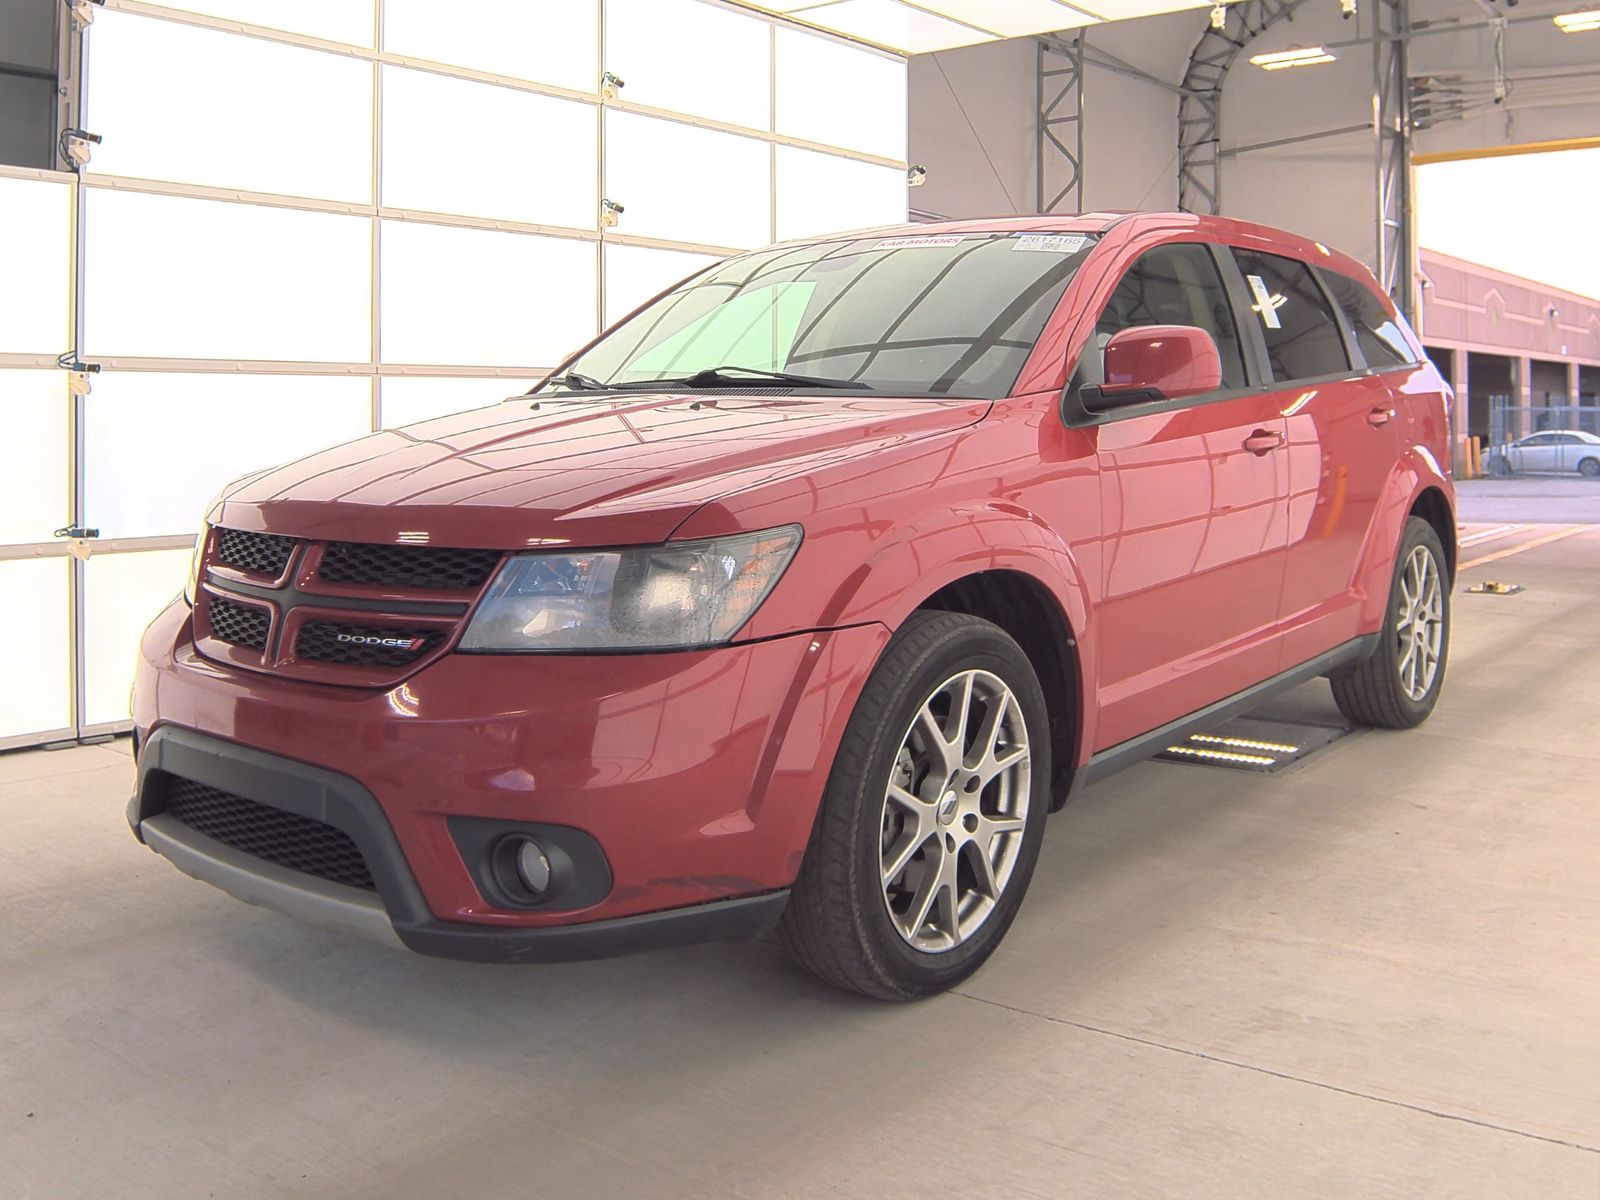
{"points": [[1377, 975]]}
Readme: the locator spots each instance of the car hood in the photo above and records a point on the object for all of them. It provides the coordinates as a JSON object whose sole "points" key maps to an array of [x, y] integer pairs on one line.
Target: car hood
{"points": [[570, 471]]}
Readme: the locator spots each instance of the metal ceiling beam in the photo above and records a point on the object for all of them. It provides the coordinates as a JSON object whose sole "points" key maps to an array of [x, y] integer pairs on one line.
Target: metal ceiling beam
{"points": [[1200, 98]]}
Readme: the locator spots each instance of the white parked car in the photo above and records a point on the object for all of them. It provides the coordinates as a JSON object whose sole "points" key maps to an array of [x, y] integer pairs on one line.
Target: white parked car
{"points": [[1554, 450]]}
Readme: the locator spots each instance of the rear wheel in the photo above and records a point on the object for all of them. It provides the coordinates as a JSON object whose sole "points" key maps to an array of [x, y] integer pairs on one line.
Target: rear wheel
{"points": [[1397, 687], [933, 815], [1589, 468]]}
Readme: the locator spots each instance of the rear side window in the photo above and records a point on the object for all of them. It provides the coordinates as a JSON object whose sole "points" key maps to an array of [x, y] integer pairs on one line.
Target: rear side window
{"points": [[1176, 285], [1377, 333], [1302, 334]]}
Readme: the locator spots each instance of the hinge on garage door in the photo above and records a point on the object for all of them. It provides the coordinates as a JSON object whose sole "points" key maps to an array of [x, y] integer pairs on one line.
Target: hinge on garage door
{"points": [[78, 381], [83, 11], [79, 540]]}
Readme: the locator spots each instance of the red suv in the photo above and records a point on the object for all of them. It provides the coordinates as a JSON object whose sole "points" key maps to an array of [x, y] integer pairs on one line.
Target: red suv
{"points": [[798, 599]]}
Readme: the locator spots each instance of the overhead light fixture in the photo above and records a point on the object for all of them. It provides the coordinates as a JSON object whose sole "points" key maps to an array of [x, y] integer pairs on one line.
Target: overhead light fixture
{"points": [[1578, 22], [1300, 56], [1219, 17]]}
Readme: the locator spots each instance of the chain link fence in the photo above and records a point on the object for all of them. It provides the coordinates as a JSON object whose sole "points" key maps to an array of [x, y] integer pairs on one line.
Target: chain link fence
{"points": [[1554, 438]]}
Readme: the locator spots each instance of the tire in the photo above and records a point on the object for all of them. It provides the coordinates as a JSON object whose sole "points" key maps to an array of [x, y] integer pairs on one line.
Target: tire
{"points": [[852, 918], [1391, 689], [1589, 468]]}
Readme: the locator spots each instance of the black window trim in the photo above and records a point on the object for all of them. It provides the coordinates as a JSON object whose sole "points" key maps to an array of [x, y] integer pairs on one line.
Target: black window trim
{"points": [[1075, 414]]}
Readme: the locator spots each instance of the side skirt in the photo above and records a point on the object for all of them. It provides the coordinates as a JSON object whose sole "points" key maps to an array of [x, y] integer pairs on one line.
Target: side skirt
{"points": [[1136, 749]]}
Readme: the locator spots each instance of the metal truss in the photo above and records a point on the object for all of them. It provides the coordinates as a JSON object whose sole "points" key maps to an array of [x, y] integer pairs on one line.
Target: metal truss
{"points": [[1060, 123], [1396, 248], [1200, 99]]}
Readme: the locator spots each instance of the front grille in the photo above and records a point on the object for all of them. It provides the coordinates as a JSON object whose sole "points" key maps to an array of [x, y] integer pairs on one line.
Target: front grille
{"points": [[407, 566], [238, 624], [363, 645], [285, 838], [259, 553]]}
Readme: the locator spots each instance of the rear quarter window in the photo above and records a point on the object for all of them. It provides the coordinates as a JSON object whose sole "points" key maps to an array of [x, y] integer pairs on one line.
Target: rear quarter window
{"points": [[1378, 334]]}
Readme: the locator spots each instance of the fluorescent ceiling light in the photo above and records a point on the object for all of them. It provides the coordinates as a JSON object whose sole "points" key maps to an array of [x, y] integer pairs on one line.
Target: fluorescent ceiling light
{"points": [[897, 26], [1300, 56], [1578, 22], [1011, 18]]}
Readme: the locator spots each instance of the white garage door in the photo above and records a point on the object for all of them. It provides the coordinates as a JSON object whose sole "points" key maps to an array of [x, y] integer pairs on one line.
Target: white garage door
{"points": [[310, 218]]}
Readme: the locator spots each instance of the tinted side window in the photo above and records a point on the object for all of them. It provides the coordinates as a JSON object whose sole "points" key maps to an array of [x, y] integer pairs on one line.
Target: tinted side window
{"points": [[1301, 331], [1175, 285], [1377, 334]]}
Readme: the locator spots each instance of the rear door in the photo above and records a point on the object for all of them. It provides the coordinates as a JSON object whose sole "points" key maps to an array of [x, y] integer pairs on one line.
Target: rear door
{"points": [[1343, 441], [1194, 520]]}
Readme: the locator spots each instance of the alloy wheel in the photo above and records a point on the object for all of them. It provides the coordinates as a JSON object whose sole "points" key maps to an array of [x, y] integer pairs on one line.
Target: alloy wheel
{"points": [[954, 811], [1419, 623]]}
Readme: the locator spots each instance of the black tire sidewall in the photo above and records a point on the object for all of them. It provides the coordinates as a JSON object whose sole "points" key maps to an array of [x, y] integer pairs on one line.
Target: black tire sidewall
{"points": [[979, 646], [1417, 533]]}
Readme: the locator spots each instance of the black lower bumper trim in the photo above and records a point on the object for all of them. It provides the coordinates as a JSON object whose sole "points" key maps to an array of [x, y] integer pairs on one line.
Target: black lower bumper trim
{"points": [[742, 919], [342, 802]]}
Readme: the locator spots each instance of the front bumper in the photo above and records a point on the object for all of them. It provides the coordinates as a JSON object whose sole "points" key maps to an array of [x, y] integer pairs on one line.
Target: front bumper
{"points": [[395, 914], [697, 774]]}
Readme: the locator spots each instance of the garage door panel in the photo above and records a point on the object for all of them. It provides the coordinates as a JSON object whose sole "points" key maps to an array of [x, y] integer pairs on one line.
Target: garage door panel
{"points": [[37, 667], [554, 43], [248, 130], [35, 265], [122, 593], [174, 277], [348, 21], [229, 425], [652, 167], [692, 57], [839, 95], [33, 455], [446, 149], [484, 298]]}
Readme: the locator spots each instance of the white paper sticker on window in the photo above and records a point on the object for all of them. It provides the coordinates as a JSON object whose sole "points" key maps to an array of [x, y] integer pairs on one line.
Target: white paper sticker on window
{"points": [[1266, 303], [1055, 243], [947, 239]]}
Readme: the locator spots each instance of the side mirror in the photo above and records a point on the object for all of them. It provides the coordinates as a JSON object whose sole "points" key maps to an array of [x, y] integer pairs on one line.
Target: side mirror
{"points": [[1158, 362]]}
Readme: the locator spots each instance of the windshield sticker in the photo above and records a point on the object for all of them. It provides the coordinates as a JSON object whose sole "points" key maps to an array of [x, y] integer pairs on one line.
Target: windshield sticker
{"points": [[1055, 243], [1266, 303], [906, 243]]}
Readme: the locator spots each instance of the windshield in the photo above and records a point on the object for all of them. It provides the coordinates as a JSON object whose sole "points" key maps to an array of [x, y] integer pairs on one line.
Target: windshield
{"points": [[943, 315]]}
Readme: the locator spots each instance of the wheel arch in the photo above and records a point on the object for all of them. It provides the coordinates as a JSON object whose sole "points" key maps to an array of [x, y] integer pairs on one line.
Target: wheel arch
{"points": [[1432, 506], [1026, 609]]}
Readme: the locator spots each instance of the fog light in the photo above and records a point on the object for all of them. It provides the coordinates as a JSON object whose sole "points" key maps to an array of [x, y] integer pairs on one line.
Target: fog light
{"points": [[533, 868]]}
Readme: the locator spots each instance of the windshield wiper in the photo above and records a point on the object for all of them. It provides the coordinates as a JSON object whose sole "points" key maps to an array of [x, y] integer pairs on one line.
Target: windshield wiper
{"points": [[577, 382], [729, 376]]}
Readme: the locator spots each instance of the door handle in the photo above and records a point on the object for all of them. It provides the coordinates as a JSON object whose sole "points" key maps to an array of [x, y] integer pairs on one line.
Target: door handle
{"points": [[1262, 441], [1379, 417]]}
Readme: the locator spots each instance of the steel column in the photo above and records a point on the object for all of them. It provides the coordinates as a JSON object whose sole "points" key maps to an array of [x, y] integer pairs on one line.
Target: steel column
{"points": [[1060, 123]]}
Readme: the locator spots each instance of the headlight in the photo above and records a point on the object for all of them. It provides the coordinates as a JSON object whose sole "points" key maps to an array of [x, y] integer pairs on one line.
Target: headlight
{"points": [[191, 586], [651, 598]]}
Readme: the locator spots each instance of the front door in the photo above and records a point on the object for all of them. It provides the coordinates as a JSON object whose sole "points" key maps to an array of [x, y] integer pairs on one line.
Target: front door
{"points": [[1194, 517]]}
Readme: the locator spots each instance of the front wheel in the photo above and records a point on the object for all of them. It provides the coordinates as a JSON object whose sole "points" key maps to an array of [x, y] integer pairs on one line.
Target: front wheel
{"points": [[932, 818], [1397, 687]]}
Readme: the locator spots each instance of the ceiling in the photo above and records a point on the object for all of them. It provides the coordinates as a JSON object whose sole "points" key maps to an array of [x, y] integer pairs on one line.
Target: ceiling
{"points": [[920, 26]]}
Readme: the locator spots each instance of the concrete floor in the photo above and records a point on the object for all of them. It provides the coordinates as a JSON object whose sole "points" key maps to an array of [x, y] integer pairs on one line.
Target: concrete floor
{"points": [[1375, 976]]}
